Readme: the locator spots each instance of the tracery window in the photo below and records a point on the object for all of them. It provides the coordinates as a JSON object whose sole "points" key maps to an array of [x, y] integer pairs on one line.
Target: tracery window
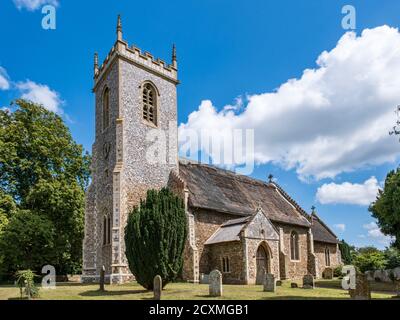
{"points": [[149, 103], [294, 246]]}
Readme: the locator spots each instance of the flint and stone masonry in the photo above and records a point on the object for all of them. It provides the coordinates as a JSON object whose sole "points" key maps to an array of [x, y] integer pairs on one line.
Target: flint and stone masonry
{"points": [[242, 226]]}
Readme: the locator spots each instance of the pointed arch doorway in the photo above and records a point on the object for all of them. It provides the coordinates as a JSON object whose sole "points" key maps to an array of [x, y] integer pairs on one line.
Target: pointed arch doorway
{"points": [[262, 263]]}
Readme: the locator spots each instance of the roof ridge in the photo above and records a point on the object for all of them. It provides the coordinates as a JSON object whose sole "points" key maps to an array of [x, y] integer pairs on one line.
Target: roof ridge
{"points": [[186, 162], [324, 225], [292, 201]]}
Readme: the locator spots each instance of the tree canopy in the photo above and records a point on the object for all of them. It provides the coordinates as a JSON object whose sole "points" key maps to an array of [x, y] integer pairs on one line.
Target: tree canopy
{"points": [[386, 208], [43, 176], [346, 252]]}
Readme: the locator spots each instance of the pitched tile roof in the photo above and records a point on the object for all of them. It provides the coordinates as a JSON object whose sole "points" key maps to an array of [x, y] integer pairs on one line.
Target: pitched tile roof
{"points": [[227, 233], [224, 191], [321, 232]]}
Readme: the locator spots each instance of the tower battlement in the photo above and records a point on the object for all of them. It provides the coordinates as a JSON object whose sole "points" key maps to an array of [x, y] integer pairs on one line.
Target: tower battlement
{"points": [[138, 57]]}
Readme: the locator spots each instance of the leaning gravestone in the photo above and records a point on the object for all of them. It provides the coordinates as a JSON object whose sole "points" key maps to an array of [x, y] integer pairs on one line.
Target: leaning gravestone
{"points": [[157, 287], [269, 282], [215, 283], [308, 281], [102, 276], [362, 290]]}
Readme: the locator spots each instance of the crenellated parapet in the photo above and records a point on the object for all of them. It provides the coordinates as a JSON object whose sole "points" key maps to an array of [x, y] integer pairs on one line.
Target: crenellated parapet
{"points": [[138, 57]]}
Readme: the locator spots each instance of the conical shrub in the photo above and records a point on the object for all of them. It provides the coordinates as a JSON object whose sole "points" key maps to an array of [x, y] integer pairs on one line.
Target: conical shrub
{"points": [[155, 237]]}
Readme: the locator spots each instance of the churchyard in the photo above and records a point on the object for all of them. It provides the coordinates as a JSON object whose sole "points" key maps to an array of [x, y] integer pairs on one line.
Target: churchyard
{"points": [[324, 289]]}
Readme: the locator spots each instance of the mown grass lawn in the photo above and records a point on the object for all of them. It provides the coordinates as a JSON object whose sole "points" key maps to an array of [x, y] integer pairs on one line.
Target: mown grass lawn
{"points": [[186, 291]]}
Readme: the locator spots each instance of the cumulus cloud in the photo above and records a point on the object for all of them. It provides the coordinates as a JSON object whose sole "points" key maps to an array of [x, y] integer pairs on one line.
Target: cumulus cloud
{"points": [[41, 94], [32, 5], [375, 233], [4, 79], [340, 226], [335, 118], [349, 193]]}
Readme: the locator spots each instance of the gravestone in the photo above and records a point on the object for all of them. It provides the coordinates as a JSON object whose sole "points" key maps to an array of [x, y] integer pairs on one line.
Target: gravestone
{"points": [[269, 282], [328, 273], [278, 283], [204, 278], [370, 275], [382, 276], [215, 283], [396, 273], [308, 281], [362, 290], [294, 285], [102, 276], [157, 287]]}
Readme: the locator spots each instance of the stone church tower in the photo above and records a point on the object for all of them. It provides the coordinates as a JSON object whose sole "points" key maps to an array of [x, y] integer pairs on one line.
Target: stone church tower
{"points": [[136, 108]]}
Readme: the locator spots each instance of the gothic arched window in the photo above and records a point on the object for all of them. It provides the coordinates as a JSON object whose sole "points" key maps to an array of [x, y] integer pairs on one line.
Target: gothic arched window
{"points": [[226, 268], [149, 103], [327, 257], [106, 108], [107, 230], [294, 246]]}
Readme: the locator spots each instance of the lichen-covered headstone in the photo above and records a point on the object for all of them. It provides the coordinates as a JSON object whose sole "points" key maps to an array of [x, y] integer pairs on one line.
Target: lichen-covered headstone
{"points": [[269, 282], [308, 281], [102, 277], [362, 290], [215, 283], [157, 287]]}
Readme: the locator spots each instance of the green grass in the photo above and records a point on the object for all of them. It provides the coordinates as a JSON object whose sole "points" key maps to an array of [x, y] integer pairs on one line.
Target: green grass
{"points": [[186, 291]]}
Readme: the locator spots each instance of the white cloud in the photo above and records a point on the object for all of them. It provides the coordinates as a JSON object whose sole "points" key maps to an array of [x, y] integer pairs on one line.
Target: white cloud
{"points": [[375, 233], [335, 118], [340, 226], [32, 5], [42, 94], [4, 79], [349, 193]]}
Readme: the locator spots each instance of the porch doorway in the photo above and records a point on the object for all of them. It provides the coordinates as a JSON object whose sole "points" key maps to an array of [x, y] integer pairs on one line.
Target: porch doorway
{"points": [[262, 261]]}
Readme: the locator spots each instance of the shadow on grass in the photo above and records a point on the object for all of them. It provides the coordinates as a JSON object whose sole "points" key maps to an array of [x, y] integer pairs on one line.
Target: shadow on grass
{"points": [[98, 293]]}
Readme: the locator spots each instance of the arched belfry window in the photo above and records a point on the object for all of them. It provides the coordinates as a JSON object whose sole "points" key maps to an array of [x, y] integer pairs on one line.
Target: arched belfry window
{"points": [[106, 108], [149, 93], [327, 257], [294, 246]]}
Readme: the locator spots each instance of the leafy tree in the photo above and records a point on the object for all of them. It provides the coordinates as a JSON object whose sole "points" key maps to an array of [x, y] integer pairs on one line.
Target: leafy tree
{"points": [[155, 237], [61, 202], [27, 241], [43, 171], [369, 259], [346, 250], [386, 208], [392, 256], [3, 223]]}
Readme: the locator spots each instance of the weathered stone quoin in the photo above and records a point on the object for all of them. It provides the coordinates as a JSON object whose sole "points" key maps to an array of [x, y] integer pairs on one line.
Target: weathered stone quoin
{"points": [[242, 226]]}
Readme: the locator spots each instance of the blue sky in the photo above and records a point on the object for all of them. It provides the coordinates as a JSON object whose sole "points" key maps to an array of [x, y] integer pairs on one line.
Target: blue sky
{"points": [[229, 49]]}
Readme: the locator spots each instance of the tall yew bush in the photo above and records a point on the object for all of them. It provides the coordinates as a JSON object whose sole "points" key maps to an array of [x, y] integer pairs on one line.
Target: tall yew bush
{"points": [[155, 237]]}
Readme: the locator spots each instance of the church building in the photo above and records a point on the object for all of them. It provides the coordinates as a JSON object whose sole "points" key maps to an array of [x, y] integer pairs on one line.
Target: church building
{"points": [[242, 226]]}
